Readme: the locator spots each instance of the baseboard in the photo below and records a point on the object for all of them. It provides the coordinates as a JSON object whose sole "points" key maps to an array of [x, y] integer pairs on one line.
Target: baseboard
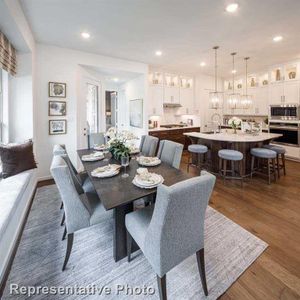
{"points": [[16, 244]]}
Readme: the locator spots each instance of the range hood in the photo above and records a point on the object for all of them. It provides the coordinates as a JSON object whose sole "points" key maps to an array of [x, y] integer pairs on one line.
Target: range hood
{"points": [[172, 105]]}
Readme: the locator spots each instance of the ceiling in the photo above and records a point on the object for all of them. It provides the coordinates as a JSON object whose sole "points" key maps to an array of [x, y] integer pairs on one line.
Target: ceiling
{"points": [[185, 31]]}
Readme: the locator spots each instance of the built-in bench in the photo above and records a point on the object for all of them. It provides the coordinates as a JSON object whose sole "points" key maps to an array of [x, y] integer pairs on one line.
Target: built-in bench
{"points": [[16, 193]]}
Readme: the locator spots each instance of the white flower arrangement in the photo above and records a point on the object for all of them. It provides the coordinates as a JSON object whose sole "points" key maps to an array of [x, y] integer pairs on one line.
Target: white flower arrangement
{"points": [[235, 123], [124, 136]]}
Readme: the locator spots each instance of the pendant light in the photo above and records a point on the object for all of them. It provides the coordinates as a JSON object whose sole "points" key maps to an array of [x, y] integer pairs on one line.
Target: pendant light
{"points": [[215, 97], [246, 99], [233, 100]]}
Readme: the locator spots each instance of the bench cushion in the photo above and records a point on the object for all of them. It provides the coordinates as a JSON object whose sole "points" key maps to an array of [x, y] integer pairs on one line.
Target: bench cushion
{"points": [[11, 191]]}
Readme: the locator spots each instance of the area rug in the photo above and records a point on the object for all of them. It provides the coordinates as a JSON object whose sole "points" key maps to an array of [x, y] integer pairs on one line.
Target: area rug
{"points": [[92, 273]]}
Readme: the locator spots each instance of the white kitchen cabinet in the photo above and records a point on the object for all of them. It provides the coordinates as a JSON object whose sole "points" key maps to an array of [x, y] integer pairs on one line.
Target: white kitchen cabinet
{"points": [[291, 92], [187, 101], [171, 95], [155, 100], [261, 101], [276, 93]]}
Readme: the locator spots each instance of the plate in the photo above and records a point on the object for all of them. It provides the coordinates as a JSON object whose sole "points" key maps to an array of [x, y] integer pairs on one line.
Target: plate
{"points": [[148, 161], [100, 147], [135, 151], [93, 157], [152, 181], [106, 171]]}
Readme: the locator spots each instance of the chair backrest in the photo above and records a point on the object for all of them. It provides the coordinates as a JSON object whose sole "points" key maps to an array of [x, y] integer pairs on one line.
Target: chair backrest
{"points": [[170, 153], [75, 206], [148, 145], [176, 230], [61, 150], [96, 139]]}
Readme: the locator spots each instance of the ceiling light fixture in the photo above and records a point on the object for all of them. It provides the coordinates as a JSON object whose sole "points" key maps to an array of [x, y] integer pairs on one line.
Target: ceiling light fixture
{"points": [[203, 64], [277, 38], [158, 53], [85, 35], [232, 7], [233, 100], [215, 97], [116, 79], [246, 100], [233, 72]]}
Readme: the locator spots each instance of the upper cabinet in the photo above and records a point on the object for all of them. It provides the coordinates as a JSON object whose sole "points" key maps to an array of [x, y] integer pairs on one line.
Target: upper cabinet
{"points": [[167, 89]]}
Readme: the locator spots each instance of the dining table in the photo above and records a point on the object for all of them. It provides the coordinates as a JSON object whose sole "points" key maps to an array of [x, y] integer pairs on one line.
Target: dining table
{"points": [[118, 193]]}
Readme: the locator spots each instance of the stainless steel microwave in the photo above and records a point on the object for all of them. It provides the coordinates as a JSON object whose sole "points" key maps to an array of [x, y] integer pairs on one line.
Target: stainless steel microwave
{"points": [[285, 112]]}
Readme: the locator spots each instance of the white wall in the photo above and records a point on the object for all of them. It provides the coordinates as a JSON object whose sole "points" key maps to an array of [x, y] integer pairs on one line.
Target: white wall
{"points": [[62, 65], [21, 101]]}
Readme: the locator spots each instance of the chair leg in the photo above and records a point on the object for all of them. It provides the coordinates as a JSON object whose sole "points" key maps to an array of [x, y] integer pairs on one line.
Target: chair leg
{"points": [[64, 234], [224, 169], [62, 205], [274, 168], [201, 267], [269, 171], [252, 165], [283, 163], [278, 165], [69, 249], [162, 287], [129, 244], [63, 219]]}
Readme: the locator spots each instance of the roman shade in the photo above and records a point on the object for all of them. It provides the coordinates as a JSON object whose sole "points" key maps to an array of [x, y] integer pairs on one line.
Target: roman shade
{"points": [[8, 61]]}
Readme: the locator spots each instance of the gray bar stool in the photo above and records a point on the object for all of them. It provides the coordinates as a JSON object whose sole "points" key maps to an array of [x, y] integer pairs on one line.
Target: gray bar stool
{"points": [[228, 155], [280, 151], [267, 155], [200, 150]]}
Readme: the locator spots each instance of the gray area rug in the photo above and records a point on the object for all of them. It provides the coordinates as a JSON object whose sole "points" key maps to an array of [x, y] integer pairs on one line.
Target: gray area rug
{"points": [[229, 251]]}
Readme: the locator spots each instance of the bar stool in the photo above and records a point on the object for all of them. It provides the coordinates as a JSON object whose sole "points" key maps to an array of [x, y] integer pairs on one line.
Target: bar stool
{"points": [[267, 155], [201, 150], [280, 151], [228, 155]]}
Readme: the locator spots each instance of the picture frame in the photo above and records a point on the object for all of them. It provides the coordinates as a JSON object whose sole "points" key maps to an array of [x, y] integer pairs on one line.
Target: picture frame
{"points": [[136, 113], [57, 90], [57, 127], [57, 108]]}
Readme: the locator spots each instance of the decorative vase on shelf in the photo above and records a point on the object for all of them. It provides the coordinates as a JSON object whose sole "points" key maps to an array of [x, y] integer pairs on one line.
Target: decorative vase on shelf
{"points": [[278, 75], [252, 84], [292, 75]]}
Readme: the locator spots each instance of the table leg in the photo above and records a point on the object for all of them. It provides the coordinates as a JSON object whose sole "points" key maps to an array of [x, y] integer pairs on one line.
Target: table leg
{"points": [[120, 239]]}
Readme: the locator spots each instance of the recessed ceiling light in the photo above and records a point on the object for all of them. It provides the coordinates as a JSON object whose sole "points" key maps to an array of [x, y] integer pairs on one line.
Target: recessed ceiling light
{"points": [[233, 71], [158, 53], [232, 7], [277, 38], [116, 79], [85, 35], [203, 64]]}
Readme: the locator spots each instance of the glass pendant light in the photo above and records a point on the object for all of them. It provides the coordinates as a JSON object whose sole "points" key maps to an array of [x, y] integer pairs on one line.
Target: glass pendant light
{"points": [[246, 99], [215, 97], [233, 100]]}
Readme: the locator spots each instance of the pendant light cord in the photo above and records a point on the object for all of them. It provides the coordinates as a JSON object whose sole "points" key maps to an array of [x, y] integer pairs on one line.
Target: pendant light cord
{"points": [[216, 68], [233, 71], [246, 59]]}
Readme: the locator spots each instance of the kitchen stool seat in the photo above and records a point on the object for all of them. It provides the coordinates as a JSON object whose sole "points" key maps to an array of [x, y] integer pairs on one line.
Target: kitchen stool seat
{"points": [[267, 155], [280, 151], [199, 150], [230, 154]]}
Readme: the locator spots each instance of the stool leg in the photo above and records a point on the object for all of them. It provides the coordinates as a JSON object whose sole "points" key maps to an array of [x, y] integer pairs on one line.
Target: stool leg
{"points": [[274, 169], [278, 165], [269, 171], [199, 161], [252, 165], [232, 168], [220, 166], [283, 163], [224, 169], [189, 161], [241, 172]]}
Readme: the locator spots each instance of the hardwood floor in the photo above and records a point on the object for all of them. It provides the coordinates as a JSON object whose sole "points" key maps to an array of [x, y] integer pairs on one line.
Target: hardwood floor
{"points": [[272, 213]]}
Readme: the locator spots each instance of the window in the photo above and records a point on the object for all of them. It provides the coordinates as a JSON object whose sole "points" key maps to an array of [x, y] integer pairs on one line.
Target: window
{"points": [[92, 107], [1, 107]]}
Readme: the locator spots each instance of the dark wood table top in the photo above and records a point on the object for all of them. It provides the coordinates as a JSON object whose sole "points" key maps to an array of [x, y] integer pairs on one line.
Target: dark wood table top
{"points": [[117, 191]]}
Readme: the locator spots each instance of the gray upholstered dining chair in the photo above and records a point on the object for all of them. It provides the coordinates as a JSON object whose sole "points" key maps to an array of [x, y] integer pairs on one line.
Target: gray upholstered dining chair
{"points": [[172, 229], [82, 210], [148, 145], [170, 153], [96, 139], [81, 180]]}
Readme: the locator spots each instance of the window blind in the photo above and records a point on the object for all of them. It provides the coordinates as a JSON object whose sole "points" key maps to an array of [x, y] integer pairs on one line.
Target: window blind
{"points": [[8, 61]]}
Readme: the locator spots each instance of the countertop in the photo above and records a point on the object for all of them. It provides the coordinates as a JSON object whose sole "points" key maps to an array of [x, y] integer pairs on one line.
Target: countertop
{"points": [[163, 128], [231, 137]]}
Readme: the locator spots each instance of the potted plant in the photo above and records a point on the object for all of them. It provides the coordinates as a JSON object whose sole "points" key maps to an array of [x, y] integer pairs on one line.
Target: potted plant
{"points": [[234, 123], [118, 144]]}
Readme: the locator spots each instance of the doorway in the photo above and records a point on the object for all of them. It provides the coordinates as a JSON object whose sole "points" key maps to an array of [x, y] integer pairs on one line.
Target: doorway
{"points": [[111, 109]]}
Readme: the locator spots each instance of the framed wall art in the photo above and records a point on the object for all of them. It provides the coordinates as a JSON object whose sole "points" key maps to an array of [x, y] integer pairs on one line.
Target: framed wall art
{"points": [[136, 113], [57, 127], [57, 90], [57, 108]]}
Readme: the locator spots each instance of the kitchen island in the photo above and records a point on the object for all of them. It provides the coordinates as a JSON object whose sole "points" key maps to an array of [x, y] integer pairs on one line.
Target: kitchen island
{"points": [[227, 140]]}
